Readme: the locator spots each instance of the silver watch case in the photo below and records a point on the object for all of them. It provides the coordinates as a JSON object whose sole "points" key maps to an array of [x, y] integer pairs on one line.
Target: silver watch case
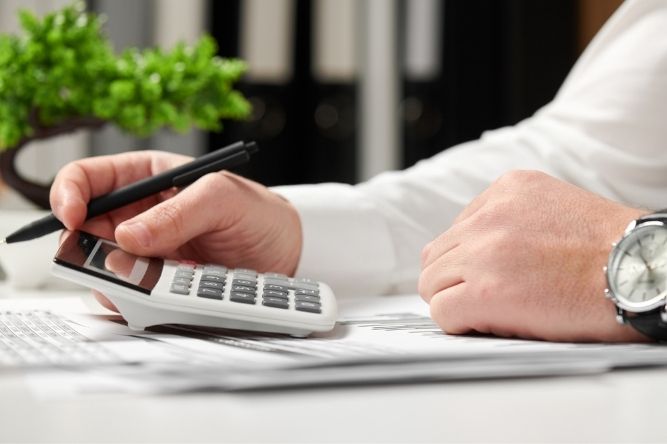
{"points": [[622, 305]]}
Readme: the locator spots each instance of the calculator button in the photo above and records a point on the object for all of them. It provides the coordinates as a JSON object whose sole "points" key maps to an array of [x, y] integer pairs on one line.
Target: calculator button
{"points": [[275, 281], [275, 287], [180, 289], [245, 298], [244, 289], [245, 282], [275, 302], [304, 286], [274, 294], [304, 292], [210, 293], [216, 269], [275, 275], [305, 298], [181, 280], [245, 271], [303, 280], [312, 307], [212, 278], [209, 284], [184, 273], [186, 266]]}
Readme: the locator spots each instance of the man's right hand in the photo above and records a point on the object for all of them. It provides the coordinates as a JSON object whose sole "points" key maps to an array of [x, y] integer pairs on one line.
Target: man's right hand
{"points": [[221, 218]]}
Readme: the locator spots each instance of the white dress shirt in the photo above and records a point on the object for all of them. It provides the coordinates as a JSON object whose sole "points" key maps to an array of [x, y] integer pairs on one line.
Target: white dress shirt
{"points": [[606, 131]]}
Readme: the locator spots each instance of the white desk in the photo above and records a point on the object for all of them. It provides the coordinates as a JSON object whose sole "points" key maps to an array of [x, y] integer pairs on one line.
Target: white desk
{"points": [[620, 406]]}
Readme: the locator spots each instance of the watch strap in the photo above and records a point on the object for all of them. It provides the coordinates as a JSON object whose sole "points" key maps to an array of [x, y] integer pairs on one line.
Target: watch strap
{"points": [[650, 323], [656, 215]]}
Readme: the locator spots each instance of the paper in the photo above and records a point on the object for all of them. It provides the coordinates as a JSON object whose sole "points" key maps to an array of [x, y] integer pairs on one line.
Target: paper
{"points": [[377, 340]]}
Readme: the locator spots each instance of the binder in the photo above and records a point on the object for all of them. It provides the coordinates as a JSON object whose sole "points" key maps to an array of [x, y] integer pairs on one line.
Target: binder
{"points": [[332, 154], [422, 107], [264, 35], [304, 116], [498, 63]]}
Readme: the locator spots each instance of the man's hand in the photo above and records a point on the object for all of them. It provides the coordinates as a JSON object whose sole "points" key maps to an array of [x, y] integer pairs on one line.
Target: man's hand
{"points": [[221, 218], [525, 259]]}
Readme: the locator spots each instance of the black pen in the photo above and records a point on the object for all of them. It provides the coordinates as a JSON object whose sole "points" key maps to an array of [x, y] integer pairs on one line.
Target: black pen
{"points": [[181, 176]]}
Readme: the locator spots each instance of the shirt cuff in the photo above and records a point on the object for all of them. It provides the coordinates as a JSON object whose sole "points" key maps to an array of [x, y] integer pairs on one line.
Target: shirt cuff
{"points": [[346, 241]]}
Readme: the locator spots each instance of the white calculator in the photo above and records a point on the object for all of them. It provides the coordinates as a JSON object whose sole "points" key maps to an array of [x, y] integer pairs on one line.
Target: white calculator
{"points": [[153, 291]]}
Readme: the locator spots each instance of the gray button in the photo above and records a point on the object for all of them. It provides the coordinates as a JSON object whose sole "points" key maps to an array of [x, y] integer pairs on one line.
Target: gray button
{"points": [[304, 286], [311, 307], [275, 275], [218, 273], [275, 287], [305, 298], [242, 297], [210, 293], [274, 281], [181, 280], [184, 273], [245, 271], [275, 302], [180, 288], [212, 278], [274, 294], [209, 284], [244, 289], [245, 282], [305, 281], [208, 268], [303, 291]]}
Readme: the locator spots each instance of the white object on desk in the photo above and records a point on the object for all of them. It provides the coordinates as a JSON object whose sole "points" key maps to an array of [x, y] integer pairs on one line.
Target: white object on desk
{"points": [[27, 264], [153, 291]]}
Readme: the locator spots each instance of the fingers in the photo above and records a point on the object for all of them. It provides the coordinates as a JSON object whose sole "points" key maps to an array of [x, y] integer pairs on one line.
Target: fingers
{"points": [[106, 303], [79, 181], [450, 309], [447, 271], [165, 227]]}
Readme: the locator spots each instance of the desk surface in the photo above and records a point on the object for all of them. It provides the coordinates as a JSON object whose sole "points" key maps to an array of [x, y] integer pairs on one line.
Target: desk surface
{"points": [[621, 406], [617, 407]]}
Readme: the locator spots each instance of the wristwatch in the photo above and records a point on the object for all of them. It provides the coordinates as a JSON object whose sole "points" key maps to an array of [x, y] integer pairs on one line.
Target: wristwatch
{"points": [[637, 275]]}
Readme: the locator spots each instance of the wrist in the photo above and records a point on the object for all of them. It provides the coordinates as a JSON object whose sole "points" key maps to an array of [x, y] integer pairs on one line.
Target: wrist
{"points": [[636, 275]]}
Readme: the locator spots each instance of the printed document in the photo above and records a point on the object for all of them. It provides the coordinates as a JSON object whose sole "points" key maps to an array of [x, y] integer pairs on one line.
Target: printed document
{"points": [[62, 347]]}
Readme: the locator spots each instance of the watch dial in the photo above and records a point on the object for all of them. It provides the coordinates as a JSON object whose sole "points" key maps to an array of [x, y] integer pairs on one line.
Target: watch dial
{"points": [[637, 272]]}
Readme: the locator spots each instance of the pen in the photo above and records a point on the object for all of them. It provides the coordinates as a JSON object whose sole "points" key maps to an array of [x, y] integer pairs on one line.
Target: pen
{"points": [[181, 176]]}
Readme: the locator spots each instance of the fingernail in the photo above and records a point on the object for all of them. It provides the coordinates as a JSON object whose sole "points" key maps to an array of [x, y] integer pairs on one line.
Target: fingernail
{"points": [[138, 231]]}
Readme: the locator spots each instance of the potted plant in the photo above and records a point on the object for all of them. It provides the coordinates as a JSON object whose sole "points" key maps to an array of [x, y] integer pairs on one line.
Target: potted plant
{"points": [[62, 75]]}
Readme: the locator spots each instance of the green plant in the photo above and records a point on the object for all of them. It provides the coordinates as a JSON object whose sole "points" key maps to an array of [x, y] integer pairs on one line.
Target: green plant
{"points": [[63, 71]]}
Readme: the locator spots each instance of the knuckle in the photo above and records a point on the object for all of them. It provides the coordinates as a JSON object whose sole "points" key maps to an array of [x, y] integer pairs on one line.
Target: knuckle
{"points": [[424, 286], [425, 253], [519, 177], [446, 315], [170, 214]]}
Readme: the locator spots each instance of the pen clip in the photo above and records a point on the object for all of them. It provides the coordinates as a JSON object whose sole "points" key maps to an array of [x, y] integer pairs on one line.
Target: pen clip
{"points": [[235, 159]]}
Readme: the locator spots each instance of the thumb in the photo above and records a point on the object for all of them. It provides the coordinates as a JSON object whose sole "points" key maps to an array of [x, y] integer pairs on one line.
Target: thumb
{"points": [[164, 228]]}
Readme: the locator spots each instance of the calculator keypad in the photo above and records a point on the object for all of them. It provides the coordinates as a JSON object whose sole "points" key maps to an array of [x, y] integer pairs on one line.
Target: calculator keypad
{"points": [[246, 286]]}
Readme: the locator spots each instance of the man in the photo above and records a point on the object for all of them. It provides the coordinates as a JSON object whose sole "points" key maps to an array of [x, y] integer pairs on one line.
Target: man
{"points": [[524, 258]]}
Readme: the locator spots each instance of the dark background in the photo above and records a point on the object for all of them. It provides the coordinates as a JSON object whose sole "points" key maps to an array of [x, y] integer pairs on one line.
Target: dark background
{"points": [[502, 60]]}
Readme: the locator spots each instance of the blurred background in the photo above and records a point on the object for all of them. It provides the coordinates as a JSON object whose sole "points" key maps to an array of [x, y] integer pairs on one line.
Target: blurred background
{"points": [[345, 89]]}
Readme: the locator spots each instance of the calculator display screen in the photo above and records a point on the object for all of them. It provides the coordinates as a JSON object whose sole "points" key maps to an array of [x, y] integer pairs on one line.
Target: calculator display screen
{"points": [[104, 259]]}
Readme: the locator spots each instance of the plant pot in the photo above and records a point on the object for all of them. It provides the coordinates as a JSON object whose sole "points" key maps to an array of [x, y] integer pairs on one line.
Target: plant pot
{"points": [[38, 193]]}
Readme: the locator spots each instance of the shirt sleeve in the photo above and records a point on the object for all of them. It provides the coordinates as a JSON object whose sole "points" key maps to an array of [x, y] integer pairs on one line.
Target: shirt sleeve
{"points": [[606, 130]]}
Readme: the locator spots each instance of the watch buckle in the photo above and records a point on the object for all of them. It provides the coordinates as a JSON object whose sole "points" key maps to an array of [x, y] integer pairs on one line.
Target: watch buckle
{"points": [[620, 316]]}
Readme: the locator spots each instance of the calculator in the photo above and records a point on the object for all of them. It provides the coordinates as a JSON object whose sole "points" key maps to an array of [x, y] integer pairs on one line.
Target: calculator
{"points": [[154, 291]]}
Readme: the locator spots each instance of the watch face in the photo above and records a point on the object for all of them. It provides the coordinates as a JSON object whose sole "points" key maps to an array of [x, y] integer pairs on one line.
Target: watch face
{"points": [[637, 269]]}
